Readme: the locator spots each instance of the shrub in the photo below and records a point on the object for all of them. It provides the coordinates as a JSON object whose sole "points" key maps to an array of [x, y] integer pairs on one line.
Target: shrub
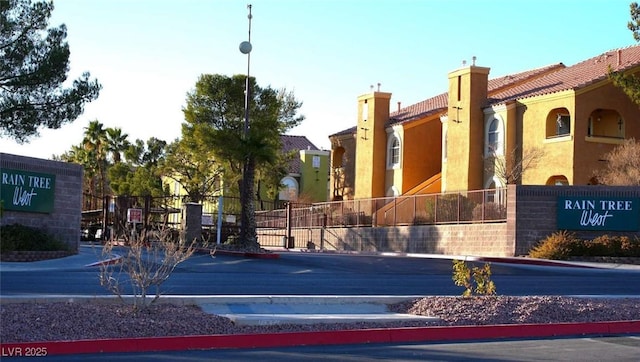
{"points": [[492, 211], [607, 245], [631, 247], [17, 237], [604, 245], [451, 207], [475, 280], [559, 246]]}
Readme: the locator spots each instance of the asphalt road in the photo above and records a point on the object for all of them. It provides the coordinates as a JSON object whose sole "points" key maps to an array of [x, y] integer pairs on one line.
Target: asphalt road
{"points": [[321, 274], [619, 349]]}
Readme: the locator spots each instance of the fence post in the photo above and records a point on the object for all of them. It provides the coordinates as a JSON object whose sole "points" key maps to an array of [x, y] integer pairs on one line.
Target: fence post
{"points": [[288, 241], [219, 223], [105, 215]]}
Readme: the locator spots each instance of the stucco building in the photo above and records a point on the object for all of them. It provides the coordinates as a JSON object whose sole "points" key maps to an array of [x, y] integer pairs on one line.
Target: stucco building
{"points": [[561, 118]]}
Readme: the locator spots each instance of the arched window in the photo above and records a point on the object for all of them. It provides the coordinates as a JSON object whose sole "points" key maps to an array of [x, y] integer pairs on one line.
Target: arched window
{"points": [[393, 152], [558, 180], [558, 124], [289, 190], [494, 138], [494, 191]]}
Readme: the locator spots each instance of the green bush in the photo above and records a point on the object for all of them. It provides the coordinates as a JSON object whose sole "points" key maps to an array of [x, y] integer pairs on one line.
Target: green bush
{"points": [[558, 246], [17, 237]]}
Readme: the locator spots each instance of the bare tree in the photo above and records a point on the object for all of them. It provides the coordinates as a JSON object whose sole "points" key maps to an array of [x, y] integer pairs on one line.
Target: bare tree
{"points": [[623, 165], [145, 264], [510, 168]]}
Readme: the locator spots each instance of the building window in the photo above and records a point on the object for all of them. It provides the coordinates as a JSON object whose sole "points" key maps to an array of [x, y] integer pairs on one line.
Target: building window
{"points": [[494, 191], [563, 124], [289, 190], [393, 152], [494, 138], [365, 111], [444, 144], [620, 128], [316, 161]]}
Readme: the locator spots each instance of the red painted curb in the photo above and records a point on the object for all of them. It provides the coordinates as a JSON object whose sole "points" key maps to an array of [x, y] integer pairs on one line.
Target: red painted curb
{"points": [[393, 335]]}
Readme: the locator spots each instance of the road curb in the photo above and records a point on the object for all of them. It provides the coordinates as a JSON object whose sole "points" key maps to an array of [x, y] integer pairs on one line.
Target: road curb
{"points": [[360, 336], [116, 259], [214, 252]]}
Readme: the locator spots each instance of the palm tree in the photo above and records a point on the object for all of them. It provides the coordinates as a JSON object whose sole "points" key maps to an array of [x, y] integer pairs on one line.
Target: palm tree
{"points": [[116, 143], [95, 144]]}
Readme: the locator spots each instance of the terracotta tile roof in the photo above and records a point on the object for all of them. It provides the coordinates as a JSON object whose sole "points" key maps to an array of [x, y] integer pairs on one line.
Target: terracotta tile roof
{"points": [[296, 143], [530, 83], [574, 77], [437, 104], [350, 130]]}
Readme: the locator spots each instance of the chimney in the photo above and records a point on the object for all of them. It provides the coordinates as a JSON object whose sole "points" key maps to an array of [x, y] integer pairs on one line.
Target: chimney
{"points": [[399, 106], [619, 60]]}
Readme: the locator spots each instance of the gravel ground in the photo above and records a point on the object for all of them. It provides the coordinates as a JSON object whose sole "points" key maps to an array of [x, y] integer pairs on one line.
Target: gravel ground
{"points": [[74, 321]]}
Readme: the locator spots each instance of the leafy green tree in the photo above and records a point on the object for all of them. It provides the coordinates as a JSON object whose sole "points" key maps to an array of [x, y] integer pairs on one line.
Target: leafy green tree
{"points": [[270, 177], [34, 61], [629, 83], [140, 174], [215, 114], [192, 165]]}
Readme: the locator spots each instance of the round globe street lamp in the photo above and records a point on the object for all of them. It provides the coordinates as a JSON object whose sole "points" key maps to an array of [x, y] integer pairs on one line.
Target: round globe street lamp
{"points": [[245, 48]]}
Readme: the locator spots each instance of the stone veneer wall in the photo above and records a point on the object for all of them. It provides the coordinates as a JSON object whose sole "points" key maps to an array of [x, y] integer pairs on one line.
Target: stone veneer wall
{"points": [[64, 221], [531, 211]]}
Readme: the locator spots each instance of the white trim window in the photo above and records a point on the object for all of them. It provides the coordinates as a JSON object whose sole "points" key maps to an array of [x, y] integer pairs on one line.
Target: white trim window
{"points": [[289, 189], [494, 137], [495, 191], [393, 151]]}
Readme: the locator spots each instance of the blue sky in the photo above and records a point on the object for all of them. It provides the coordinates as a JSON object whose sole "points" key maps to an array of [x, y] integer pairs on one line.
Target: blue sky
{"points": [[148, 54]]}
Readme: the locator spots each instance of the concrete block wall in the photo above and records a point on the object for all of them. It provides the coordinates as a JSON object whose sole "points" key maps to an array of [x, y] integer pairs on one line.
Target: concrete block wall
{"points": [[465, 239], [64, 221], [531, 211]]}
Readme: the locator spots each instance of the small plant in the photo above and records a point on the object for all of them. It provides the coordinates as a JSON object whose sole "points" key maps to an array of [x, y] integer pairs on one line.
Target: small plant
{"points": [[475, 280], [147, 262]]}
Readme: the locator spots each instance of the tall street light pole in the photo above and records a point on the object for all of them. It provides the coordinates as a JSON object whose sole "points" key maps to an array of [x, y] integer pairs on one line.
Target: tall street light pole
{"points": [[245, 48], [247, 219]]}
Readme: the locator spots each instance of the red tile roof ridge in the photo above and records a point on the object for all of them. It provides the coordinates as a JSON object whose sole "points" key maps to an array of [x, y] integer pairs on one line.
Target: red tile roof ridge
{"points": [[577, 76]]}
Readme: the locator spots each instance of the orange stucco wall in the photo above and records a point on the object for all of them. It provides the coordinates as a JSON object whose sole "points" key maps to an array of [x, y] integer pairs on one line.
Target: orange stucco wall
{"points": [[422, 153], [371, 141], [467, 95]]}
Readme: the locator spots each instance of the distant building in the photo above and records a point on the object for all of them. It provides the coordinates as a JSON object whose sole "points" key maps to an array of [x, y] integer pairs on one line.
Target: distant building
{"points": [[308, 176], [457, 140]]}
